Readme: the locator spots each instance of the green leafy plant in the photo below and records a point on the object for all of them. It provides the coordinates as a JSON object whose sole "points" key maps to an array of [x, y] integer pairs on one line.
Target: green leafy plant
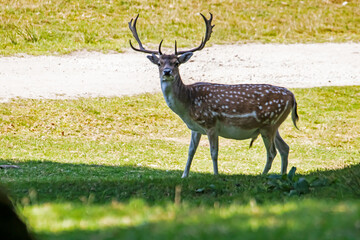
{"points": [[293, 185], [212, 189]]}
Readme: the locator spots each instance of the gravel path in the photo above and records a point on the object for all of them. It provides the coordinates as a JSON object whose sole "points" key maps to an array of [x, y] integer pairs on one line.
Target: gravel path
{"points": [[90, 74]]}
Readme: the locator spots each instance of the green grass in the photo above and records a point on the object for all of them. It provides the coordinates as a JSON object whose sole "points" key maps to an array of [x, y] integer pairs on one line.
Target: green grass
{"points": [[110, 168], [49, 27]]}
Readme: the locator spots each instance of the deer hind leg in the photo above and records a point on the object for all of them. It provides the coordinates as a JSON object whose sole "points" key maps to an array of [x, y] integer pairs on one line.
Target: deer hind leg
{"points": [[214, 149], [269, 142], [194, 143], [284, 152]]}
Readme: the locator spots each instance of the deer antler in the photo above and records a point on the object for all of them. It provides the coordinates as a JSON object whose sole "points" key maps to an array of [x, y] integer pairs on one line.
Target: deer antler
{"points": [[141, 48], [208, 32]]}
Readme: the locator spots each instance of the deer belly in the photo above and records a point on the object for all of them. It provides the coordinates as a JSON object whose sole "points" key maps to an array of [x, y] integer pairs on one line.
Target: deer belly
{"points": [[237, 133]]}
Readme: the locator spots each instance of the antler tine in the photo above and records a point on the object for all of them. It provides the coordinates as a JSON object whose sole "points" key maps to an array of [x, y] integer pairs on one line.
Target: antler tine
{"points": [[209, 27], [176, 48], [204, 40], [133, 30], [160, 53]]}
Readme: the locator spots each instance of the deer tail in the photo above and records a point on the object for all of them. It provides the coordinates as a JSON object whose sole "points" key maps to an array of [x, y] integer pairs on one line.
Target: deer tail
{"points": [[294, 114]]}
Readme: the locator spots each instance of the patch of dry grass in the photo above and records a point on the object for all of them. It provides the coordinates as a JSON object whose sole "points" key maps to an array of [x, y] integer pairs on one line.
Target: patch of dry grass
{"points": [[48, 27]]}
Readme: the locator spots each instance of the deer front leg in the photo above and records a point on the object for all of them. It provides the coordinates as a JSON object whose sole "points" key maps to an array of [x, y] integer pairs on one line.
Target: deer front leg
{"points": [[214, 149], [194, 143]]}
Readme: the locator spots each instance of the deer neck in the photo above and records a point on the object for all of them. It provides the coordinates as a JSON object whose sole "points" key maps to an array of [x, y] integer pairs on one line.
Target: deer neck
{"points": [[177, 95]]}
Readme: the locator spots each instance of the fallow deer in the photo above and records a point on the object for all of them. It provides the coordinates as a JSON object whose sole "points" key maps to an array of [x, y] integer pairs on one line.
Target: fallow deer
{"points": [[242, 111]]}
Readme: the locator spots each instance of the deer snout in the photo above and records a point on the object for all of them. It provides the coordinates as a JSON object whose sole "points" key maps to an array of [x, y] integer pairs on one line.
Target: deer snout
{"points": [[167, 72]]}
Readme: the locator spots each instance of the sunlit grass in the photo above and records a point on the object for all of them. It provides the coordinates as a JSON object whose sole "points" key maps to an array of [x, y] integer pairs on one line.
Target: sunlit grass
{"points": [[48, 27], [294, 219], [108, 168], [113, 129]]}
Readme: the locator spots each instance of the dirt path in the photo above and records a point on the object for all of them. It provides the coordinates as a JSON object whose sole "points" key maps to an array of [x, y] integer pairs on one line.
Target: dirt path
{"points": [[89, 74]]}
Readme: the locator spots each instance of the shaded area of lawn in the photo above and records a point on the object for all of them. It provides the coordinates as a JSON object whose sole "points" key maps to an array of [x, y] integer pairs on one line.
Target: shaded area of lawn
{"points": [[127, 202], [41, 182]]}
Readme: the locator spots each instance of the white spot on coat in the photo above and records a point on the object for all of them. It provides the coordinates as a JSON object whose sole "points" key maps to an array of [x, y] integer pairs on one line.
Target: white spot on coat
{"points": [[244, 115]]}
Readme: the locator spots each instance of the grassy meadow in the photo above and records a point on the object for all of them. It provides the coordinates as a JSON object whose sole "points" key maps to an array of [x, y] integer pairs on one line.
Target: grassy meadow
{"points": [[110, 168], [52, 27], [99, 168]]}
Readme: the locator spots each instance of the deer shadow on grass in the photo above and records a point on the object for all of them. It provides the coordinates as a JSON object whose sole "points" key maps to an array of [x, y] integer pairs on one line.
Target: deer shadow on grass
{"points": [[48, 181], [37, 182]]}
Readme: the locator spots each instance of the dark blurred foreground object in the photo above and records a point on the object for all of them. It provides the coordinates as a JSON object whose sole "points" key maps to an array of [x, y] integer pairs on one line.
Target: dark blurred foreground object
{"points": [[9, 166], [11, 226]]}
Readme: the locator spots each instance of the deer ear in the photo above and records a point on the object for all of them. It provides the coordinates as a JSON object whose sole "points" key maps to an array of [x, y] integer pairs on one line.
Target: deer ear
{"points": [[153, 58], [185, 57]]}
